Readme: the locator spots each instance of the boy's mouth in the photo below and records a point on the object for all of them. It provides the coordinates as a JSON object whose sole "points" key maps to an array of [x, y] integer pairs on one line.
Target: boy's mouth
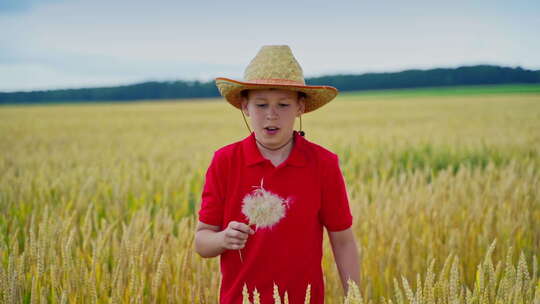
{"points": [[271, 130]]}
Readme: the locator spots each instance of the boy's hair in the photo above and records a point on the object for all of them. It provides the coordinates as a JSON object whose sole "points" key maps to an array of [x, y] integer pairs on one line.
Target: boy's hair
{"points": [[245, 93]]}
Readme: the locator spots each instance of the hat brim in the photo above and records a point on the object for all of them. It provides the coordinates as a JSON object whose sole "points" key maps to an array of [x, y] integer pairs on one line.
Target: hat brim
{"points": [[316, 96]]}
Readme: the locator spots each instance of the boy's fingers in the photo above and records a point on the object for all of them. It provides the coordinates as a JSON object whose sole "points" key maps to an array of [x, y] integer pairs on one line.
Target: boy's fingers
{"points": [[236, 245], [236, 234], [241, 227]]}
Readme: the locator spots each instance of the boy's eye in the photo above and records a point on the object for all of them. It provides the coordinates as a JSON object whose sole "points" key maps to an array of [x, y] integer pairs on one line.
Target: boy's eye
{"points": [[283, 104], [261, 105]]}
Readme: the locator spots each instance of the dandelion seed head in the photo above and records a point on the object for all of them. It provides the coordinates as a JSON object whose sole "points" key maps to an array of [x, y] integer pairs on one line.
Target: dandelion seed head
{"points": [[263, 208]]}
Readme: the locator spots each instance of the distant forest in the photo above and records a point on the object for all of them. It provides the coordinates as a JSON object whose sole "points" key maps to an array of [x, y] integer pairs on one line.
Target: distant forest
{"points": [[462, 76]]}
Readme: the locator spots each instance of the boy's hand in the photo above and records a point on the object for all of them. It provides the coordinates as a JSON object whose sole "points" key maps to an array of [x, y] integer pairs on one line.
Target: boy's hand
{"points": [[235, 235]]}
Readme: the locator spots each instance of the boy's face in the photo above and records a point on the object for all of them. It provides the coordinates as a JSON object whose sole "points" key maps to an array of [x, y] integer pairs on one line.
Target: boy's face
{"points": [[272, 114]]}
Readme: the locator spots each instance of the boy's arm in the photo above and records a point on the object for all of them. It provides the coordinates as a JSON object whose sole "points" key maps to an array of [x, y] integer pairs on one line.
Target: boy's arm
{"points": [[211, 242], [346, 256], [208, 240]]}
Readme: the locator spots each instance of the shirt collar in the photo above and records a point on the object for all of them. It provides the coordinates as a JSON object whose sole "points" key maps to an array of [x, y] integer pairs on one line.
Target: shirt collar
{"points": [[253, 156]]}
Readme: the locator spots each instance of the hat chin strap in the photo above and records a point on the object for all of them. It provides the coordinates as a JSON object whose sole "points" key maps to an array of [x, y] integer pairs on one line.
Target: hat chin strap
{"points": [[302, 133], [247, 126]]}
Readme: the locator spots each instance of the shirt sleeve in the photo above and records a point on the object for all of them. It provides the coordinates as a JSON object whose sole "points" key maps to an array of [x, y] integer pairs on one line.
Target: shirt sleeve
{"points": [[335, 211], [211, 211]]}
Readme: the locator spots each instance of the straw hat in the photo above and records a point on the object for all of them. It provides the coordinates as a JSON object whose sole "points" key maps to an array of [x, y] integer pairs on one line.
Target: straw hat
{"points": [[275, 67]]}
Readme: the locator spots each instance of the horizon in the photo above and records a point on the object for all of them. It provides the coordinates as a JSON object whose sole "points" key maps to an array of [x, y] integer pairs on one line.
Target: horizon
{"points": [[60, 44], [329, 75]]}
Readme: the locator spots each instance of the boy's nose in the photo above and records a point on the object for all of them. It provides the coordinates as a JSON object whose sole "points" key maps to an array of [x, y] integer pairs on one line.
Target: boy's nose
{"points": [[272, 113]]}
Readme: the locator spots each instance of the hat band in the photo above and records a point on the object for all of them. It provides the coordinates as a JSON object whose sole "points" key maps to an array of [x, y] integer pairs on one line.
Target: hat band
{"points": [[277, 81]]}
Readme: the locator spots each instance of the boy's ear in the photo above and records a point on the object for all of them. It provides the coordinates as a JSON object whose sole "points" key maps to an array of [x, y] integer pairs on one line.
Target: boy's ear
{"points": [[244, 106], [301, 105]]}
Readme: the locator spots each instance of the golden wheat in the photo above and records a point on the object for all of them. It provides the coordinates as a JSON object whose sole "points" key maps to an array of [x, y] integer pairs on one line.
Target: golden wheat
{"points": [[98, 202]]}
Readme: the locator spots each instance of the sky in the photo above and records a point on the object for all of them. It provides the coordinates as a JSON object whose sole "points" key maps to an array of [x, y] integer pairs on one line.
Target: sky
{"points": [[51, 44]]}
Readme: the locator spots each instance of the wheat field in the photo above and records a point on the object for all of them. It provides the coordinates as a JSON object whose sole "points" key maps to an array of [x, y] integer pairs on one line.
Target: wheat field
{"points": [[98, 202]]}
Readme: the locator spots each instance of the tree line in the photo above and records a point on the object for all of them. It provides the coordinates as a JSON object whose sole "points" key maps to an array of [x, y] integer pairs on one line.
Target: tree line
{"points": [[461, 76]]}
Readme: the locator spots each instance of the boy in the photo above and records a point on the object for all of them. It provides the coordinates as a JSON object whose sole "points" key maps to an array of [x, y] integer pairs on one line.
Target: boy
{"points": [[275, 163]]}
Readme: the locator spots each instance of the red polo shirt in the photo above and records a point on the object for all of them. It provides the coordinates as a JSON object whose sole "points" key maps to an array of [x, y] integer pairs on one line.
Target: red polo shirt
{"points": [[289, 253]]}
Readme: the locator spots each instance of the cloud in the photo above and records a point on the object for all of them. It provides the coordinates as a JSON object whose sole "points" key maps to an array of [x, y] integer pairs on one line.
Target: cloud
{"points": [[19, 6], [35, 71], [83, 42]]}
